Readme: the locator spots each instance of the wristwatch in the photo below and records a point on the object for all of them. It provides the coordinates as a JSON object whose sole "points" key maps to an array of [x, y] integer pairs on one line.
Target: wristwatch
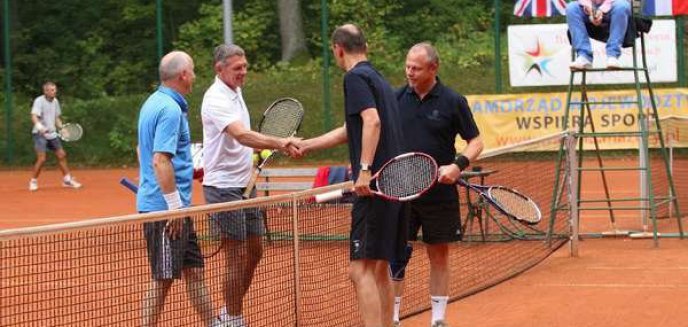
{"points": [[365, 167]]}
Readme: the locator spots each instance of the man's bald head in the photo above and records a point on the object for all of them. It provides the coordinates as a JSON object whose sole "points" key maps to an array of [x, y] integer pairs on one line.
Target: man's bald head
{"points": [[173, 63], [350, 37]]}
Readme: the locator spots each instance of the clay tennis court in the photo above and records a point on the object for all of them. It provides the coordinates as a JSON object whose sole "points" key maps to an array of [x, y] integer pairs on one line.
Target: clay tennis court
{"points": [[614, 282]]}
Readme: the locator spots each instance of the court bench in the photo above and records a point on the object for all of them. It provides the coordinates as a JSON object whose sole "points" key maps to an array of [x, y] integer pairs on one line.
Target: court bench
{"points": [[283, 180]]}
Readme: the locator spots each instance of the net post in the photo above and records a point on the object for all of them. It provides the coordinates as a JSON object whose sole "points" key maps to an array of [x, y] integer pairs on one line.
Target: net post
{"points": [[643, 165], [671, 171], [572, 166], [297, 268]]}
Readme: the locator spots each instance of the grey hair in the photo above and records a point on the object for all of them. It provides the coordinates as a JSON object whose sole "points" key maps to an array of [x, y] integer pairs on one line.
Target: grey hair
{"points": [[224, 51], [430, 51], [172, 64]]}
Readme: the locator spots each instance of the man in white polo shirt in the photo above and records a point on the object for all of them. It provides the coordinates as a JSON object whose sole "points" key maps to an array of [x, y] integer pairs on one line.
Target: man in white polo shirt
{"points": [[45, 115], [228, 144]]}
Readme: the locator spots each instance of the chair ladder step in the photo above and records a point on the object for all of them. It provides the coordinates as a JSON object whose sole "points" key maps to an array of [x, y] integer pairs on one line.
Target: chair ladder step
{"points": [[594, 70]]}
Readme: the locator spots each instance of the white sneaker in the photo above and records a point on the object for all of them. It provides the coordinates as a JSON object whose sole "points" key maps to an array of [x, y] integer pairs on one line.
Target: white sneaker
{"points": [[613, 63], [228, 321], [72, 183], [440, 323], [396, 324], [33, 185], [220, 323], [580, 63]]}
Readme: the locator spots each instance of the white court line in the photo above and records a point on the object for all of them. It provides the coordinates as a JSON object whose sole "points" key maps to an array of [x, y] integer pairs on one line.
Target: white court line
{"points": [[612, 285], [637, 268]]}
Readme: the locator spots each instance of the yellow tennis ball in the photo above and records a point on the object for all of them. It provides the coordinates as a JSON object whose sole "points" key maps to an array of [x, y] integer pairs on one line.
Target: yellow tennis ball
{"points": [[255, 158], [265, 153]]}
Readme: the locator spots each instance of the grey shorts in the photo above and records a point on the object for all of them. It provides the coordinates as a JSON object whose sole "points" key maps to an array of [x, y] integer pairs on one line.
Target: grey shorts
{"points": [[41, 144], [168, 257], [235, 224]]}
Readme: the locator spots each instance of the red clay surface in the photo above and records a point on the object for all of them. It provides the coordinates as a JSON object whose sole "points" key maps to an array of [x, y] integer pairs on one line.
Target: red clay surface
{"points": [[614, 282]]}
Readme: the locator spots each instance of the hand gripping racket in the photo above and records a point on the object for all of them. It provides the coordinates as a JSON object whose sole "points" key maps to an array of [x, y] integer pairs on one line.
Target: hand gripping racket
{"points": [[403, 178], [71, 132], [210, 246], [507, 201], [281, 119]]}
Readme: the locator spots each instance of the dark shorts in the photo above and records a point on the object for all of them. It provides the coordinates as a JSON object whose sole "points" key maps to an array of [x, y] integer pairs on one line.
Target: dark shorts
{"points": [[41, 144], [378, 229], [440, 221], [235, 224], [168, 257]]}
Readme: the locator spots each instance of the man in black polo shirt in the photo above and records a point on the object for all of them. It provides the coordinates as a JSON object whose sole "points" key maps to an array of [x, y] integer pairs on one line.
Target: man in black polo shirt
{"points": [[373, 131], [432, 115]]}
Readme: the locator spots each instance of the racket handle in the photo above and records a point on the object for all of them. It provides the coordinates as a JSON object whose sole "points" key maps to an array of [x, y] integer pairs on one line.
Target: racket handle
{"points": [[129, 184], [251, 184], [328, 196]]}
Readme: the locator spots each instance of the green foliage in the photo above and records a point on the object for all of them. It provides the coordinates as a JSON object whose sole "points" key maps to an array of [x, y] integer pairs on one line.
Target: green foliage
{"points": [[103, 56], [254, 29], [91, 50]]}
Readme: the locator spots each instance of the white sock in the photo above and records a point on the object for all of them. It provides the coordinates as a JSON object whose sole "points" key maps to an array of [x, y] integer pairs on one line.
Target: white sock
{"points": [[67, 178], [34, 180], [397, 306], [439, 306], [223, 316]]}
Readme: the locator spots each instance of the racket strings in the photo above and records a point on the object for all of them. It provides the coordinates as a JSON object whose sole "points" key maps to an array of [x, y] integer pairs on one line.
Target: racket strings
{"points": [[283, 119], [407, 176], [71, 132], [515, 204]]}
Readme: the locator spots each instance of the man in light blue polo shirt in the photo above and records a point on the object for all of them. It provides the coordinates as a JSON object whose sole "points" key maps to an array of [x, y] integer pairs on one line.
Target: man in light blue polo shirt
{"points": [[166, 171]]}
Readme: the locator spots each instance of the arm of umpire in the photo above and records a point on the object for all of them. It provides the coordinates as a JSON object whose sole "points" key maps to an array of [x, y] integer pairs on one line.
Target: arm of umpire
{"points": [[164, 173], [449, 174]]}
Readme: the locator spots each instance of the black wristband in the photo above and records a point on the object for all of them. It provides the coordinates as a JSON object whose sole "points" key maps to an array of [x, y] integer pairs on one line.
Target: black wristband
{"points": [[462, 162]]}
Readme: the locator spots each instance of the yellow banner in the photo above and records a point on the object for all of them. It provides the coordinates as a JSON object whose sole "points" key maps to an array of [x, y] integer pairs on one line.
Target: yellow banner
{"points": [[512, 118]]}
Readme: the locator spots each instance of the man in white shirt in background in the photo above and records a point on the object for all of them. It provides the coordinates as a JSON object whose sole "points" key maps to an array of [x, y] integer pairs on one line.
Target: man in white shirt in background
{"points": [[45, 115]]}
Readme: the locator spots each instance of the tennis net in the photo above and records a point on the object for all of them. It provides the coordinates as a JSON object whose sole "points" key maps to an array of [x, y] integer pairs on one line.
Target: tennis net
{"points": [[96, 272]]}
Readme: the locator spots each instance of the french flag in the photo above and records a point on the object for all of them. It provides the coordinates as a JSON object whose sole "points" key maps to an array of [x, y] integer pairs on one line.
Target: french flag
{"points": [[665, 7], [541, 8]]}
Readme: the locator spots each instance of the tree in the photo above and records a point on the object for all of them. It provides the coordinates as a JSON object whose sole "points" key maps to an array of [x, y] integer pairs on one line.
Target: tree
{"points": [[291, 30]]}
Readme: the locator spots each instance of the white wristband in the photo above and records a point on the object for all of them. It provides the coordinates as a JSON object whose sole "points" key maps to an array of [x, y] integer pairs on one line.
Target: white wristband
{"points": [[39, 127], [174, 201]]}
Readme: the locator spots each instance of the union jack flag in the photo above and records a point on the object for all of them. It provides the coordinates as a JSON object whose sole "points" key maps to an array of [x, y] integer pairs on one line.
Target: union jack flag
{"points": [[540, 8]]}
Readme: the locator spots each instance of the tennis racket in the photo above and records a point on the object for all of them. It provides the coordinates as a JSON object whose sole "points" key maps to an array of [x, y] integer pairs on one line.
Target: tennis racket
{"points": [[71, 132], [281, 119], [210, 245], [402, 178], [507, 201], [197, 159]]}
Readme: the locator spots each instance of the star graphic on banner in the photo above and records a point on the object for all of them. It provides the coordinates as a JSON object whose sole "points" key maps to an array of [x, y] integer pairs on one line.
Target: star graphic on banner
{"points": [[538, 59]]}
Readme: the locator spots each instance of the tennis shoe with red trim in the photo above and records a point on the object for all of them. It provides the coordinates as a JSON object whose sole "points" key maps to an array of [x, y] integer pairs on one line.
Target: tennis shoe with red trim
{"points": [[72, 183]]}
